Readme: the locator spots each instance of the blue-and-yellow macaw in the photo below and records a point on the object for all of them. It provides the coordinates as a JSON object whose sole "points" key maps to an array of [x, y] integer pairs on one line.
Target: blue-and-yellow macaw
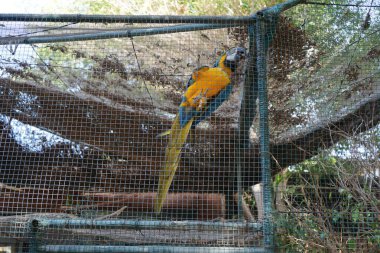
{"points": [[206, 90]]}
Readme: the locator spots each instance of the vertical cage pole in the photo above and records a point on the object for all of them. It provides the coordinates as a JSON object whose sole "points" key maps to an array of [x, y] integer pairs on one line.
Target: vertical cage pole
{"points": [[33, 230], [262, 41]]}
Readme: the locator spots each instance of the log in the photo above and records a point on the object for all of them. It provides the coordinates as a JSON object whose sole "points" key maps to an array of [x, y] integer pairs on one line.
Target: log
{"points": [[207, 206]]}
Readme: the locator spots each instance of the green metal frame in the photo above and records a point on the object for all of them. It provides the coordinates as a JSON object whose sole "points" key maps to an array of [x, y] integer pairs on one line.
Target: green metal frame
{"points": [[146, 249], [261, 29]]}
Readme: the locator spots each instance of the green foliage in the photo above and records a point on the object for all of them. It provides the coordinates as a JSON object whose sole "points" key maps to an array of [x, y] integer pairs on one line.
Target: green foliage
{"points": [[215, 7], [173, 7], [341, 60], [329, 207], [261, 4], [166, 7], [102, 7], [156, 7], [71, 66]]}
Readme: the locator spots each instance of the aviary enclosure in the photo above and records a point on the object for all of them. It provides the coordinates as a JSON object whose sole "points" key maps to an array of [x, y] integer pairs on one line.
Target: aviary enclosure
{"points": [[288, 163]]}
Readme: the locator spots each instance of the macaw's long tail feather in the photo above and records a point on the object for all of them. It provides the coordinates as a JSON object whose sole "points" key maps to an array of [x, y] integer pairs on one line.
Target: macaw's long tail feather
{"points": [[177, 138]]}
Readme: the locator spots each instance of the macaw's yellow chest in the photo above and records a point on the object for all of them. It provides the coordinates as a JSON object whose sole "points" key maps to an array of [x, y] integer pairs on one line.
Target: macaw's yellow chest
{"points": [[208, 83]]}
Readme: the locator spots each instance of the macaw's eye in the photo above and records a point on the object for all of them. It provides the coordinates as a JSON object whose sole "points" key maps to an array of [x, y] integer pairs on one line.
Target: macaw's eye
{"points": [[241, 51]]}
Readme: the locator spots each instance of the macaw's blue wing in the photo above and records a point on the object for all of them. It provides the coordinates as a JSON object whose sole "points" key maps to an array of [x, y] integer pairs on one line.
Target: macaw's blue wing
{"points": [[213, 105], [187, 113]]}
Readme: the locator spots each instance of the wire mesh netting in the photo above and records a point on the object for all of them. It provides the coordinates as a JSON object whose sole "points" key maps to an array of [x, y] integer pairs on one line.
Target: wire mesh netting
{"points": [[330, 201], [80, 124], [82, 152]]}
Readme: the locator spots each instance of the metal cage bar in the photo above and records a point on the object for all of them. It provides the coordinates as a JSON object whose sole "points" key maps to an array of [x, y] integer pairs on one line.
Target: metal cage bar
{"points": [[79, 18], [261, 34], [129, 33], [146, 249], [139, 224]]}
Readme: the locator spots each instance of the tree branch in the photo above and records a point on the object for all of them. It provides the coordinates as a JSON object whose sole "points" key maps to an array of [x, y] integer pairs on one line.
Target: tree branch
{"points": [[122, 145], [361, 117]]}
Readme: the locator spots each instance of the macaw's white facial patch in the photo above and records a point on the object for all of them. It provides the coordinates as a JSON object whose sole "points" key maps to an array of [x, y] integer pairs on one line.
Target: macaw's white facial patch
{"points": [[231, 57], [235, 54]]}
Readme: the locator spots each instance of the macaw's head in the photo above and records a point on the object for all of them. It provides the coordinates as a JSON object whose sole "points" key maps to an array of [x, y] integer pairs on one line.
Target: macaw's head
{"points": [[233, 57]]}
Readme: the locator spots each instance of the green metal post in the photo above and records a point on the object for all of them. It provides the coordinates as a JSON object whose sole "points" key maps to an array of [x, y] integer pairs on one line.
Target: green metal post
{"points": [[141, 224], [132, 19], [33, 230], [111, 34], [145, 249], [262, 50], [266, 22]]}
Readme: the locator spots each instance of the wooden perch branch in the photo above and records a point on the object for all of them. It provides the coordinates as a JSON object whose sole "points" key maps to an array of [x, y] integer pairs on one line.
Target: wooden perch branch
{"points": [[203, 206], [364, 116]]}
